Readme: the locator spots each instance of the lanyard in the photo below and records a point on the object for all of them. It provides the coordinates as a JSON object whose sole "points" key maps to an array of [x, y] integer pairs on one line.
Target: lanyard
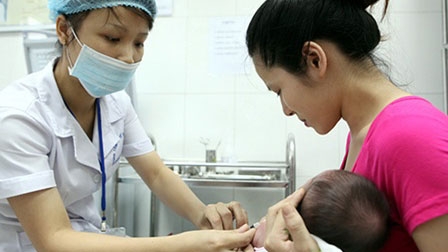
{"points": [[103, 167]]}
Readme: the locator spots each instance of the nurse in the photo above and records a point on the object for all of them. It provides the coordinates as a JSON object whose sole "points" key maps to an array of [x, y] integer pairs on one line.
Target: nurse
{"points": [[64, 129], [317, 56]]}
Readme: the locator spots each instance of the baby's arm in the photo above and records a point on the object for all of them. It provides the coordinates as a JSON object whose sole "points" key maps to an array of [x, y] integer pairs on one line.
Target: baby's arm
{"points": [[260, 234]]}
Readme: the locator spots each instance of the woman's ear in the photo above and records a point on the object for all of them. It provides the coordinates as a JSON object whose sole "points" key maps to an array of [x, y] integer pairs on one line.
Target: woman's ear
{"points": [[63, 30], [315, 59]]}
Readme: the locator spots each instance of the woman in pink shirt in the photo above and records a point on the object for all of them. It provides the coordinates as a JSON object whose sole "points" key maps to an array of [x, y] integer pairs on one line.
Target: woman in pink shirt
{"points": [[317, 55]]}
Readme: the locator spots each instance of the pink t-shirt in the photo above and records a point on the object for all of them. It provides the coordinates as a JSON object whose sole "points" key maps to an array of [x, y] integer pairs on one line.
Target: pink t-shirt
{"points": [[405, 153]]}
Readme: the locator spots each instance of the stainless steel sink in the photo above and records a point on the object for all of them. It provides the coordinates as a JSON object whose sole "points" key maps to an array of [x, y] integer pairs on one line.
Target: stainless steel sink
{"points": [[230, 171]]}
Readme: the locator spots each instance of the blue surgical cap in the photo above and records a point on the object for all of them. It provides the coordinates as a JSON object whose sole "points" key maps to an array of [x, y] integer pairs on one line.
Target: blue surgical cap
{"points": [[58, 7]]}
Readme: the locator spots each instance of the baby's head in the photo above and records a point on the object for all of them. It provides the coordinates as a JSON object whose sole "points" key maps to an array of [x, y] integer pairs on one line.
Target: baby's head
{"points": [[346, 210]]}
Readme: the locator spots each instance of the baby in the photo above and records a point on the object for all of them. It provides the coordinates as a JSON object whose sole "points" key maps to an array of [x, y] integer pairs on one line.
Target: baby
{"points": [[343, 209]]}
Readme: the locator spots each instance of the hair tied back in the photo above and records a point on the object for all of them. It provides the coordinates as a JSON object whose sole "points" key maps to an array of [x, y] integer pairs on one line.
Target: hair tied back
{"points": [[364, 4]]}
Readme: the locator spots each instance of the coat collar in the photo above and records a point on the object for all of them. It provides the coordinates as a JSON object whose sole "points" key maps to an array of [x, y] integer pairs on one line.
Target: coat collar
{"points": [[65, 125]]}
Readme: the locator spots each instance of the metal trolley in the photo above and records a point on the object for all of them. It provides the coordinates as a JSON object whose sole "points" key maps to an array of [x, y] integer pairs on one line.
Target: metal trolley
{"points": [[281, 175]]}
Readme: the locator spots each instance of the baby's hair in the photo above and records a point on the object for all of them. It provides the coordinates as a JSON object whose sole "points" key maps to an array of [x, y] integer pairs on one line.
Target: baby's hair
{"points": [[346, 210]]}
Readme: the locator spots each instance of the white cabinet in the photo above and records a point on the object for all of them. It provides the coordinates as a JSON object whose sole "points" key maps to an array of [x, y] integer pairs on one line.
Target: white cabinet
{"points": [[255, 200]]}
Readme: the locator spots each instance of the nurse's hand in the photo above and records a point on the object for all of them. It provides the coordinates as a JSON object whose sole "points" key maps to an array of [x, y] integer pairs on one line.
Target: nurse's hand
{"points": [[284, 223], [221, 216], [217, 240]]}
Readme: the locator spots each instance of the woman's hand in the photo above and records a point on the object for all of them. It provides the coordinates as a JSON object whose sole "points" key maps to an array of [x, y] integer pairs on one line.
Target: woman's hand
{"points": [[221, 216], [284, 223]]}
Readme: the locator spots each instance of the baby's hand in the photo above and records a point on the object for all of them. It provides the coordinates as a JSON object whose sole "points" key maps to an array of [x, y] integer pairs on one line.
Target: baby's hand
{"points": [[260, 234]]}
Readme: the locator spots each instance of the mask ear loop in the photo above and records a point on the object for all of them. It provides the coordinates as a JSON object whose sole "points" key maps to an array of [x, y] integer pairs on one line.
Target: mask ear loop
{"points": [[69, 61], [76, 37], [66, 51]]}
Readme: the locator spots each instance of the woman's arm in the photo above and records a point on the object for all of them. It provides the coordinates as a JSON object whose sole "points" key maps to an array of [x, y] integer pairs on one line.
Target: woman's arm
{"points": [[432, 236], [46, 223], [172, 191]]}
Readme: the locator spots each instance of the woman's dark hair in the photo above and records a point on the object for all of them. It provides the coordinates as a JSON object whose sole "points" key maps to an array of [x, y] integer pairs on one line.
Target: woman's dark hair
{"points": [[346, 210], [280, 28]]}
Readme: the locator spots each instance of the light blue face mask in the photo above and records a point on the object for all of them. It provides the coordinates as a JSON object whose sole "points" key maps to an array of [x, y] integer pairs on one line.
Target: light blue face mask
{"points": [[100, 74]]}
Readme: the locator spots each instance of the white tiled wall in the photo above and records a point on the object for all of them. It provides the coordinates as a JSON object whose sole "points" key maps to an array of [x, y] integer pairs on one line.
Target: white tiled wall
{"points": [[12, 59], [179, 101]]}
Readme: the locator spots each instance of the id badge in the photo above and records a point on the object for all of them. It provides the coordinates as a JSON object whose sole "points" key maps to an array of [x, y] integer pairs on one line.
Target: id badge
{"points": [[117, 231]]}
